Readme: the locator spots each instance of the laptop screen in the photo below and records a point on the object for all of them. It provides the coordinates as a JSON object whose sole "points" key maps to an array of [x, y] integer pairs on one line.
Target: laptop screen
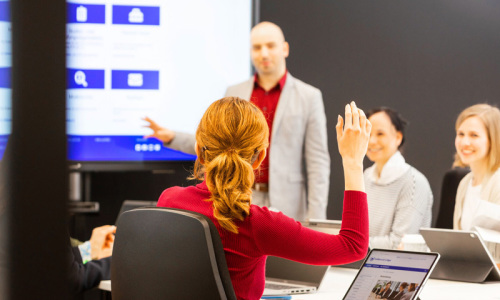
{"points": [[283, 269], [390, 274], [292, 271]]}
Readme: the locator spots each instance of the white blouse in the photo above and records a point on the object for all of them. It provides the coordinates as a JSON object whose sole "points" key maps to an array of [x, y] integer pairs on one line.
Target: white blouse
{"points": [[479, 212], [472, 202]]}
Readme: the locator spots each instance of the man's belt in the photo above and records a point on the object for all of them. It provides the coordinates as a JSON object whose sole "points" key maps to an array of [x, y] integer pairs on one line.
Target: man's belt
{"points": [[261, 187]]}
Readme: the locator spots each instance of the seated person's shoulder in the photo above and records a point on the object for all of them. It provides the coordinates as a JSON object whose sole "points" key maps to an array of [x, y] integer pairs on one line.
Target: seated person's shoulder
{"points": [[177, 192], [420, 179], [172, 191], [496, 175], [263, 217]]}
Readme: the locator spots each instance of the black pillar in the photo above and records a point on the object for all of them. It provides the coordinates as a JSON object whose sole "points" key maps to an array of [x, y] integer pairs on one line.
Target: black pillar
{"points": [[37, 174]]}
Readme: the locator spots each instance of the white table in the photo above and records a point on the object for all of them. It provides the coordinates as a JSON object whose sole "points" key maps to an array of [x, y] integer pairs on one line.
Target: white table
{"points": [[338, 280]]}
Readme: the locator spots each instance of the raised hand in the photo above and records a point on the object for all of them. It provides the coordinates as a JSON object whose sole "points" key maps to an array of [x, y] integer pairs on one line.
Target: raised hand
{"points": [[352, 139]]}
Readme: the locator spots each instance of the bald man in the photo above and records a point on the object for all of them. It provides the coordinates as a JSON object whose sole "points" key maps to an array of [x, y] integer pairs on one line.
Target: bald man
{"points": [[294, 178]]}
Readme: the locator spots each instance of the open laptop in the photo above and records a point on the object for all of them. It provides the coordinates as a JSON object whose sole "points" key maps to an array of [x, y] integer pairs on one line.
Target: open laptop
{"points": [[386, 273], [286, 277], [132, 204], [331, 227], [464, 256]]}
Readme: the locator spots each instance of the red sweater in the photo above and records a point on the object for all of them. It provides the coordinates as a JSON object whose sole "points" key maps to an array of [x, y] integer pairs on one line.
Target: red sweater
{"points": [[265, 232]]}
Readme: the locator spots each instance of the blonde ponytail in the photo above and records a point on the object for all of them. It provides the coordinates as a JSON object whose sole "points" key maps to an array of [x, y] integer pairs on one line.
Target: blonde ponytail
{"points": [[230, 136]]}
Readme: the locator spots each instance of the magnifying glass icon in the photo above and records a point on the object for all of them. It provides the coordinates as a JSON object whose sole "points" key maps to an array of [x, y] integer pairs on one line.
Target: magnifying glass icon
{"points": [[80, 78]]}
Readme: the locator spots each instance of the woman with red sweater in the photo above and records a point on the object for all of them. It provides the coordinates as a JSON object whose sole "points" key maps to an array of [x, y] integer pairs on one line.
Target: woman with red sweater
{"points": [[231, 142]]}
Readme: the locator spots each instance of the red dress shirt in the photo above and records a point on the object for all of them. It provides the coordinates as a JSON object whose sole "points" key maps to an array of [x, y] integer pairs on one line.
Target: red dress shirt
{"points": [[267, 101]]}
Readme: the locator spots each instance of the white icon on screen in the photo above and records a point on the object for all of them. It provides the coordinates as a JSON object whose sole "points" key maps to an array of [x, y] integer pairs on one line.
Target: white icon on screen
{"points": [[80, 78], [138, 147], [151, 147], [157, 147], [135, 79], [135, 16], [144, 147], [81, 14]]}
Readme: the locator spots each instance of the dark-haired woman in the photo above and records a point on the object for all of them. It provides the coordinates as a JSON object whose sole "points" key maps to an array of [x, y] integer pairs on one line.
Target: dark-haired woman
{"points": [[399, 196], [230, 142]]}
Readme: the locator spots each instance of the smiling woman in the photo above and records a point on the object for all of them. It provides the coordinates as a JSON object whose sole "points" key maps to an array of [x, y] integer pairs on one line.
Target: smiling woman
{"points": [[399, 196], [478, 144]]}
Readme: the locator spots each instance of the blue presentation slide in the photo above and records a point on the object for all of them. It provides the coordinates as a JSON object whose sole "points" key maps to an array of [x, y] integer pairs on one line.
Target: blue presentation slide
{"points": [[164, 59]]}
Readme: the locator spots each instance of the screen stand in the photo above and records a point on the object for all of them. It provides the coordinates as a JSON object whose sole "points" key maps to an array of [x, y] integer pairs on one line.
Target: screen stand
{"points": [[79, 194]]}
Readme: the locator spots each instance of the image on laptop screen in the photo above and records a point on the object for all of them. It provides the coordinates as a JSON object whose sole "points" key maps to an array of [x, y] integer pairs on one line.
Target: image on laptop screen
{"points": [[389, 274]]}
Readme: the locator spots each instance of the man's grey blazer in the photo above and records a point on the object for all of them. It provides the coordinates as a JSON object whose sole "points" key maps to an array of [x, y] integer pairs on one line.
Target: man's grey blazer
{"points": [[299, 162]]}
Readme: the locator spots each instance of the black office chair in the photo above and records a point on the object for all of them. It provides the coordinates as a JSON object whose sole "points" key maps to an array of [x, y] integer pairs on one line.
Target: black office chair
{"points": [[449, 188], [165, 253]]}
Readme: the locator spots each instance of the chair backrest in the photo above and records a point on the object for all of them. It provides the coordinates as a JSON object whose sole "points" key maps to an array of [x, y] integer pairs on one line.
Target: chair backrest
{"points": [[132, 204], [165, 253], [451, 180]]}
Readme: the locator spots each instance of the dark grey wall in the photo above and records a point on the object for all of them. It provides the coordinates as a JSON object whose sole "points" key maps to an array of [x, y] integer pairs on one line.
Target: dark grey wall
{"points": [[428, 59]]}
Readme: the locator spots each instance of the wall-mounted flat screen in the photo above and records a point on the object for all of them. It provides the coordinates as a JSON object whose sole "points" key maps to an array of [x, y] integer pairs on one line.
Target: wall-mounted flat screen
{"points": [[164, 59]]}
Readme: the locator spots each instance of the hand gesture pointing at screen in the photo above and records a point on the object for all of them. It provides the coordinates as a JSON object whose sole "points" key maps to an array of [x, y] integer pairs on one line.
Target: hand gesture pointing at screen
{"points": [[163, 134]]}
